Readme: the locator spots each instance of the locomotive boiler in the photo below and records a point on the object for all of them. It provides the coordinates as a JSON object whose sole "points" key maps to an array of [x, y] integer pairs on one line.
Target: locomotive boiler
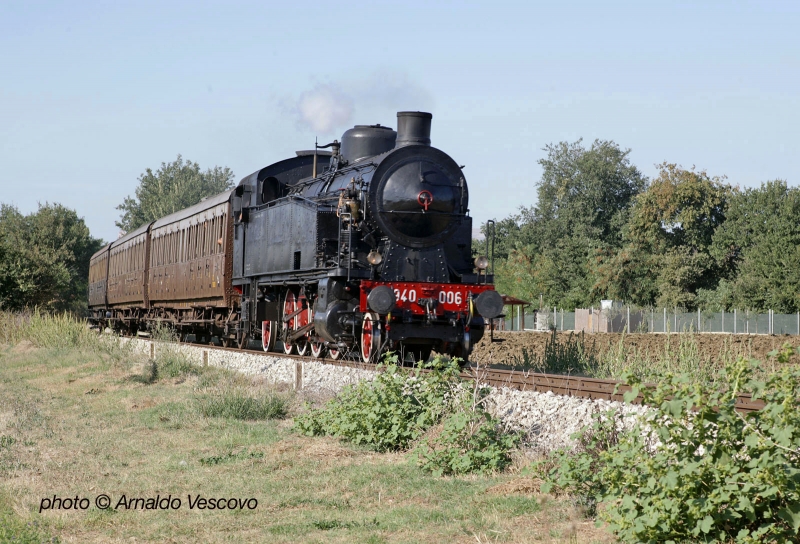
{"points": [[359, 246]]}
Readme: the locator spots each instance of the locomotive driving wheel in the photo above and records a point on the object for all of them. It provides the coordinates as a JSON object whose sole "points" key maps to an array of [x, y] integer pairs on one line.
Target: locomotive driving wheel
{"points": [[316, 345], [301, 320], [288, 326], [335, 353], [269, 330], [370, 337]]}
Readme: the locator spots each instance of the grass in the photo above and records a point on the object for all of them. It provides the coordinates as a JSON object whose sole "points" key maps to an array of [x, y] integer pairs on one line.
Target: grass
{"points": [[569, 355], [576, 354], [85, 420]]}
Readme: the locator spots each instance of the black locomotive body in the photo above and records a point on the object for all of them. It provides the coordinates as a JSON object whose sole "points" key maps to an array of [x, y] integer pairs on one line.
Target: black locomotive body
{"points": [[372, 251], [368, 252]]}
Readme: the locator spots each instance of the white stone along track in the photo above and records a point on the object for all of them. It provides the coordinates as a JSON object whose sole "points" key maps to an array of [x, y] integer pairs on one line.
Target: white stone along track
{"points": [[548, 419]]}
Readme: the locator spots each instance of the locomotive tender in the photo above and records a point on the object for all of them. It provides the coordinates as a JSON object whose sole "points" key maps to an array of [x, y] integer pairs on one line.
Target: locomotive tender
{"points": [[371, 252]]}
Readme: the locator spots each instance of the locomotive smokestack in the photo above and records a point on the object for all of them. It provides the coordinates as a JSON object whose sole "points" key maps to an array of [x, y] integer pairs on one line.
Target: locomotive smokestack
{"points": [[413, 127]]}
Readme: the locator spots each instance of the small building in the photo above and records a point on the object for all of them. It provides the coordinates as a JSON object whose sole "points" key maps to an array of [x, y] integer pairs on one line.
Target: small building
{"points": [[612, 316], [514, 319]]}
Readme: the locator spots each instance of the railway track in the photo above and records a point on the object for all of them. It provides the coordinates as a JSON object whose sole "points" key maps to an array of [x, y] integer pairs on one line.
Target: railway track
{"points": [[572, 386]]}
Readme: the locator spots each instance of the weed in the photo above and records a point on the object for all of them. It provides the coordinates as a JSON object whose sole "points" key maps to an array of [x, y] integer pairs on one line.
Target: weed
{"points": [[471, 440], [714, 475], [389, 412], [240, 404], [569, 356], [149, 374], [174, 364], [230, 457], [328, 525]]}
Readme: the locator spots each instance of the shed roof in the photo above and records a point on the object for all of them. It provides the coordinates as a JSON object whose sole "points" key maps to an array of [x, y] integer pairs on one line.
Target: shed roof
{"points": [[508, 300]]}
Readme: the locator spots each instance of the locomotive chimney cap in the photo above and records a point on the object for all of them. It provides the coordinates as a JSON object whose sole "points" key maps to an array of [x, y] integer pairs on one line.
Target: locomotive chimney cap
{"points": [[413, 128]]}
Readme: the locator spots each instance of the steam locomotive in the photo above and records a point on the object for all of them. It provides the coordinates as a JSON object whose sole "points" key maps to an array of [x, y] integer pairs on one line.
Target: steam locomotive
{"points": [[371, 252]]}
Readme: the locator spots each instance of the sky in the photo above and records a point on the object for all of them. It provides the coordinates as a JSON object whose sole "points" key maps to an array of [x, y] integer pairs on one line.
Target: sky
{"points": [[94, 93]]}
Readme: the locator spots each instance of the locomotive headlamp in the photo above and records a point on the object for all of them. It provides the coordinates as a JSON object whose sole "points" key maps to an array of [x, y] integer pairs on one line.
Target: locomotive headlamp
{"points": [[481, 262], [374, 258]]}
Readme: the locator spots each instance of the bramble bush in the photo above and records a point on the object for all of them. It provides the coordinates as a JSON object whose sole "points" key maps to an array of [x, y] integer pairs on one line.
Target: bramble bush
{"points": [[696, 469], [397, 408], [471, 440], [389, 412]]}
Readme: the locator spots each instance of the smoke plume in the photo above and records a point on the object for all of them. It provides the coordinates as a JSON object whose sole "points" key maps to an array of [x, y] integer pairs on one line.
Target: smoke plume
{"points": [[324, 108]]}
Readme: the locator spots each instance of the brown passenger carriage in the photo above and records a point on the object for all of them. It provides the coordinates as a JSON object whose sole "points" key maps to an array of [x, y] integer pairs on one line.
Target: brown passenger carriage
{"points": [[175, 270]]}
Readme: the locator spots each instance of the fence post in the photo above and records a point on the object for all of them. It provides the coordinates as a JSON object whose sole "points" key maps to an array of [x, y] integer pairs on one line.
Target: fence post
{"points": [[628, 321], [747, 321], [699, 327], [665, 319]]}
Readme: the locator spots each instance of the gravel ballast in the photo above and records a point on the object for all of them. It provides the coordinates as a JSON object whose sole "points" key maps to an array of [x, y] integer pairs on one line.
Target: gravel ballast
{"points": [[548, 419]]}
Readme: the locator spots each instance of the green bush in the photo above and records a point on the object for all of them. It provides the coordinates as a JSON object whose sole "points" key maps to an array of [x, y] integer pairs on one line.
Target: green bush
{"points": [[697, 469], [471, 440], [396, 409], [389, 412]]}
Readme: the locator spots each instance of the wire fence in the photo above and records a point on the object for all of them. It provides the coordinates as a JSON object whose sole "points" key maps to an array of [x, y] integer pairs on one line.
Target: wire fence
{"points": [[625, 319]]}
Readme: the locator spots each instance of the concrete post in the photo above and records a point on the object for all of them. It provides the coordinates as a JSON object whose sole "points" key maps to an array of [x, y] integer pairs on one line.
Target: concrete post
{"points": [[298, 375]]}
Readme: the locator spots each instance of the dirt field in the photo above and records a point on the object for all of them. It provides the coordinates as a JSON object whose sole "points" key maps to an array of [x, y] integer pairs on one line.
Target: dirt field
{"points": [[509, 347]]}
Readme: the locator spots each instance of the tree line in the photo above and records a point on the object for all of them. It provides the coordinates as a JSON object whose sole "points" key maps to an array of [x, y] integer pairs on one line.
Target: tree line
{"points": [[599, 230], [44, 255], [685, 239]]}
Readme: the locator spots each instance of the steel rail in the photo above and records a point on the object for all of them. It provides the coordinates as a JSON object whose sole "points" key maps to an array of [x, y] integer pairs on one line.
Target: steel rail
{"points": [[559, 384]]}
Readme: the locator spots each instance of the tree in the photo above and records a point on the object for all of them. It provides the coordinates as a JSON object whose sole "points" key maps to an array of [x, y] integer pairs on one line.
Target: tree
{"points": [[44, 258], [584, 198], [666, 258], [172, 187], [585, 192], [758, 248]]}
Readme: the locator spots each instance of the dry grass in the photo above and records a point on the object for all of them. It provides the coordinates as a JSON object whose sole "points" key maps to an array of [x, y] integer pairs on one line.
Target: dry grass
{"points": [[83, 422]]}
